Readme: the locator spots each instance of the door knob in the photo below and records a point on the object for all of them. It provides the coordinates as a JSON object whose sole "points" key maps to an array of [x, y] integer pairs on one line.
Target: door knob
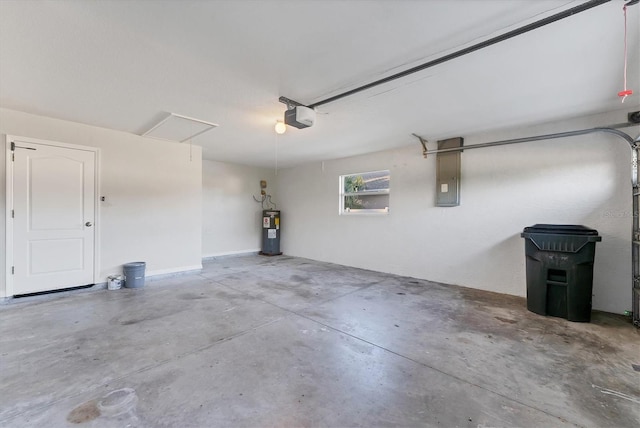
{"points": [[88, 224]]}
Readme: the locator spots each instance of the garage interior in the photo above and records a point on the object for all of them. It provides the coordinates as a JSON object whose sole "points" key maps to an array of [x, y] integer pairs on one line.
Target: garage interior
{"points": [[411, 311]]}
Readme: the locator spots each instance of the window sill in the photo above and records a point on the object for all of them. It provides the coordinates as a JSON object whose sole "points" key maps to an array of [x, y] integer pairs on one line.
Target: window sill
{"points": [[365, 212]]}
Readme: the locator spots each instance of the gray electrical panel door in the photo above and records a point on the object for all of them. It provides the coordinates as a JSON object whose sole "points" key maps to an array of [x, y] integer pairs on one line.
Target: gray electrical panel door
{"points": [[448, 174]]}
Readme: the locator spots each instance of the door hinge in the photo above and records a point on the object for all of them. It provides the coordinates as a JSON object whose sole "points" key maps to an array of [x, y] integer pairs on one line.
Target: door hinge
{"points": [[13, 214], [14, 147], [13, 270]]}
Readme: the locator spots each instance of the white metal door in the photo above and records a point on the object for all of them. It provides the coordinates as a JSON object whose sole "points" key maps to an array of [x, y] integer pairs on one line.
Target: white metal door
{"points": [[53, 217]]}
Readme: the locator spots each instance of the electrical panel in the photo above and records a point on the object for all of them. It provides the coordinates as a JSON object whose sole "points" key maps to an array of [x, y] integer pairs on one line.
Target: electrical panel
{"points": [[448, 173]]}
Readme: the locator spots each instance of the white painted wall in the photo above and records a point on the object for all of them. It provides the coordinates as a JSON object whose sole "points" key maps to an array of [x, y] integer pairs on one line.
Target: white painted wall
{"points": [[153, 210], [583, 180], [3, 208], [231, 219]]}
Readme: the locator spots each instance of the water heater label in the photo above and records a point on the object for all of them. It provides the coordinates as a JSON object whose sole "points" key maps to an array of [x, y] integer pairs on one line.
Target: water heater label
{"points": [[271, 234], [265, 222], [277, 221]]}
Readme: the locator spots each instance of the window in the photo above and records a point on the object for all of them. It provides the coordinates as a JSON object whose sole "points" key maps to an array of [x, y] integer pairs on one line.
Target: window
{"points": [[367, 192]]}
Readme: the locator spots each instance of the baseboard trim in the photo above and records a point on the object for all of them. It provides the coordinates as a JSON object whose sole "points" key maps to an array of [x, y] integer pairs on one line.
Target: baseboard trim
{"points": [[149, 277], [170, 271], [240, 253]]}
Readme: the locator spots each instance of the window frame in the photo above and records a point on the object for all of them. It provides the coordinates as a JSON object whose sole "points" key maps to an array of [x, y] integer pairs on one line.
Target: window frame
{"points": [[364, 211]]}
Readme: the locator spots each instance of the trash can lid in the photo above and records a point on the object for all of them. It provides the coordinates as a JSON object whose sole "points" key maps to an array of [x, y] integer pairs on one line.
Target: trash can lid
{"points": [[561, 229], [135, 265]]}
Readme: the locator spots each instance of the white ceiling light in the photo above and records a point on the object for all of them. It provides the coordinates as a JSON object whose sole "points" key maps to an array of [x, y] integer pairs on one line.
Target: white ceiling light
{"points": [[176, 127], [281, 128]]}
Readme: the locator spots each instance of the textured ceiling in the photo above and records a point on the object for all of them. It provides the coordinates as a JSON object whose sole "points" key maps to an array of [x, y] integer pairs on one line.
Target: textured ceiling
{"points": [[125, 65]]}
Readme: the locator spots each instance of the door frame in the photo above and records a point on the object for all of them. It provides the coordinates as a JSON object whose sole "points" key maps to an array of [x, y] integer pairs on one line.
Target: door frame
{"points": [[9, 204]]}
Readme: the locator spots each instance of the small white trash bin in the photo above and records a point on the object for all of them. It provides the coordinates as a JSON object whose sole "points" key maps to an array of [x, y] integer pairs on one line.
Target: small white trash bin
{"points": [[114, 282]]}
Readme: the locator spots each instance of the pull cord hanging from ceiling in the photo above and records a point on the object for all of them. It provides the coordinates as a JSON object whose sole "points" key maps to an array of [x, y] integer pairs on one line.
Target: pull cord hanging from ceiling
{"points": [[625, 92]]}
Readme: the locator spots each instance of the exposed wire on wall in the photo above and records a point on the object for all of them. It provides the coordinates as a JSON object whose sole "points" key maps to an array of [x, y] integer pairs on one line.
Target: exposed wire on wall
{"points": [[271, 202], [265, 198]]}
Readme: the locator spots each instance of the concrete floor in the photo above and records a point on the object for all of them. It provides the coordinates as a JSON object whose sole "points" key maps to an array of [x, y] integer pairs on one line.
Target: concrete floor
{"points": [[264, 342]]}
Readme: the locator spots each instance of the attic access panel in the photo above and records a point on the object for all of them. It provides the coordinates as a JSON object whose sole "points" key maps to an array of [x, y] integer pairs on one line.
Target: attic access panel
{"points": [[176, 127]]}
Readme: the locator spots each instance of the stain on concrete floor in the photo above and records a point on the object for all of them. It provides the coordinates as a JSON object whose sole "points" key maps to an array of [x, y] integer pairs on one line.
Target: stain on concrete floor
{"points": [[84, 413], [286, 341]]}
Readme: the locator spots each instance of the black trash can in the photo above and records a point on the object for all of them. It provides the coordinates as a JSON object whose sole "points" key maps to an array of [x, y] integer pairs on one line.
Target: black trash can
{"points": [[559, 261]]}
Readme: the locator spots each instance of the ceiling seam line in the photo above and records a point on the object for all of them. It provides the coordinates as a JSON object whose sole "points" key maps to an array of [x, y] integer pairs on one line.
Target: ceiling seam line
{"points": [[465, 51]]}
